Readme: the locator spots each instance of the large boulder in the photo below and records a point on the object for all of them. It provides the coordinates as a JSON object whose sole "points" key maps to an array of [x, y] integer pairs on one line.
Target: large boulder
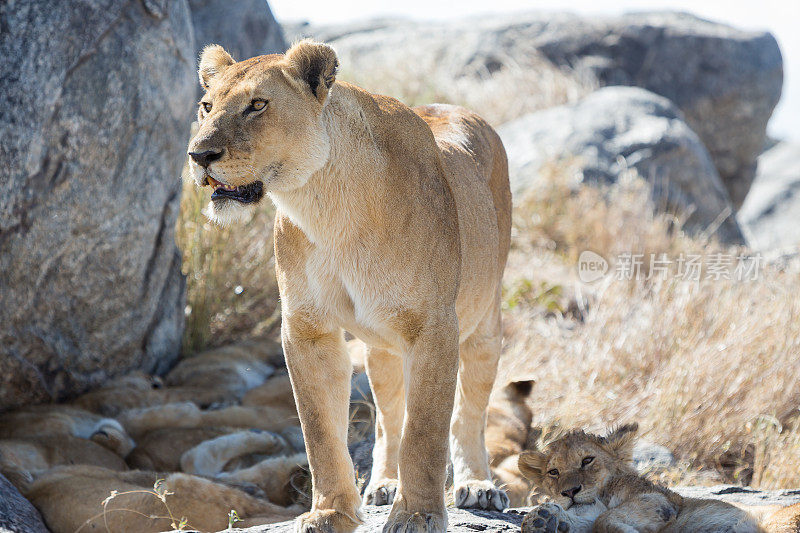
{"points": [[770, 215], [17, 515], [619, 128], [95, 104], [725, 81], [245, 29]]}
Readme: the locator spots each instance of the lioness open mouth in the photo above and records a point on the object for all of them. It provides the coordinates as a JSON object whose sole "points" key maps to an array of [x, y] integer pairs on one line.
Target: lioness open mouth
{"points": [[246, 194]]}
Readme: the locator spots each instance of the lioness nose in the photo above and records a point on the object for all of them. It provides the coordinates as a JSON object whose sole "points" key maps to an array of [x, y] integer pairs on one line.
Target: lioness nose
{"points": [[570, 493], [205, 158]]}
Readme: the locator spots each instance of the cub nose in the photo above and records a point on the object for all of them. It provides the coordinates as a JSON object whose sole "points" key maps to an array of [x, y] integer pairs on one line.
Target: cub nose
{"points": [[570, 493], [205, 158]]}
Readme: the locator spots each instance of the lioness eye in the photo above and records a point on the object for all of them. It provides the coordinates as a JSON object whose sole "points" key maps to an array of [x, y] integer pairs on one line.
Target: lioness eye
{"points": [[258, 105], [553, 472], [587, 460], [206, 106]]}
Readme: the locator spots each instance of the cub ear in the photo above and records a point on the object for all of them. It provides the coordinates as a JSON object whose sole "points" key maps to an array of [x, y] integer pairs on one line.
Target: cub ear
{"points": [[213, 60], [532, 464], [620, 441], [315, 64]]}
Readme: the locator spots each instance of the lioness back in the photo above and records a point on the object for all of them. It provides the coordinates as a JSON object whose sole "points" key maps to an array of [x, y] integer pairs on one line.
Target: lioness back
{"points": [[476, 169]]}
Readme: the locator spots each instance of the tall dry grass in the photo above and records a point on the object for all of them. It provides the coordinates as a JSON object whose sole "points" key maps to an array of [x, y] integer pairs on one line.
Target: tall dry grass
{"points": [[500, 96], [708, 368], [230, 274]]}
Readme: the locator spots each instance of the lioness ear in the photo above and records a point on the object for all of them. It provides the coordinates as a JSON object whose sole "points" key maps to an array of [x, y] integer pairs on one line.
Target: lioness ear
{"points": [[314, 64], [621, 440], [532, 464], [213, 60]]}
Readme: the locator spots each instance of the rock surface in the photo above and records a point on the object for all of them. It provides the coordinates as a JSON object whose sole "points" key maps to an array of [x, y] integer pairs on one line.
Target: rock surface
{"points": [[616, 128], [725, 81], [648, 455], [770, 215], [464, 520], [17, 515], [246, 31], [94, 111], [459, 521]]}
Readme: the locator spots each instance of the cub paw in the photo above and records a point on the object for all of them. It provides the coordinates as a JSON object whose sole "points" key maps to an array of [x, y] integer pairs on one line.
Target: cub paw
{"points": [[381, 493], [480, 494], [545, 518], [408, 522], [324, 521]]}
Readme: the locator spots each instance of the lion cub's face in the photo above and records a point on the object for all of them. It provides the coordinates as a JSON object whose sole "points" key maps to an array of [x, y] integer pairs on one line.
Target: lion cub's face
{"points": [[259, 125], [576, 467]]}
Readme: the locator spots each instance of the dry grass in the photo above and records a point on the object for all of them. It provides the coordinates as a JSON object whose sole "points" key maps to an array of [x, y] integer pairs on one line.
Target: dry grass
{"points": [[709, 368], [231, 287], [500, 96]]}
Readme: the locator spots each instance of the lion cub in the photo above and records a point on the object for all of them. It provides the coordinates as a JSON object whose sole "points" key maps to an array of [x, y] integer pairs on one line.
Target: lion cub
{"points": [[594, 487]]}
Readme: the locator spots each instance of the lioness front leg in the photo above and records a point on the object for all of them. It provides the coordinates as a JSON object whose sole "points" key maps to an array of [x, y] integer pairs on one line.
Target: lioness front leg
{"points": [[385, 372], [320, 372], [472, 480], [430, 369]]}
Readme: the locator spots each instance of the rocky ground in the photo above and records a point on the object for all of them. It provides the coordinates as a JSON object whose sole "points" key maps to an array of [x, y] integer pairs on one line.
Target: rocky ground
{"points": [[466, 521]]}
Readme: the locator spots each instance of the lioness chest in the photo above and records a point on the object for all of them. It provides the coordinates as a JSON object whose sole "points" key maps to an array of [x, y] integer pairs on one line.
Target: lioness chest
{"points": [[361, 293]]}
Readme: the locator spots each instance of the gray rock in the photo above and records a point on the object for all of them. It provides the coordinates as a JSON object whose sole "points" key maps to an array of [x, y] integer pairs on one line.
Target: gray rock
{"points": [[616, 128], [770, 215], [459, 521], [744, 495], [725, 81], [245, 29], [94, 111], [648, 456], [17, 515]]}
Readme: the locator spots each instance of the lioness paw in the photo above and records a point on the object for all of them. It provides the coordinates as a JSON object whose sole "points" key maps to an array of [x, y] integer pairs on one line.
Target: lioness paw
{"points": [[381, 493], [408, 522], [480, 494], [324, 521], [545, 518]]}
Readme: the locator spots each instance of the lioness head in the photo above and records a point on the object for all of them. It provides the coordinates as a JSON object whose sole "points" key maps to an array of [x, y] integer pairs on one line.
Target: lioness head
{"points": [[259, 124], [575, 468]]}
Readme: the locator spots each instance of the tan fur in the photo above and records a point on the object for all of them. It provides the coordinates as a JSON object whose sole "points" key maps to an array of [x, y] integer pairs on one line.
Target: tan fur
{"points": [[507, 435], [53, 420], [111, 401], [593, 486], [235, 368], [161, 449], [283, 479], [215, 377], [393, 224], [276, 392], [20, 459], [70, 500], [138, 422], [210, 457]]}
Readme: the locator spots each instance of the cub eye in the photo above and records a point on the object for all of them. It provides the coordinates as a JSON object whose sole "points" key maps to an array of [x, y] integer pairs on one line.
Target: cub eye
{"points": [[587, 461], [553, 472], [258, 105], [206, 106]]}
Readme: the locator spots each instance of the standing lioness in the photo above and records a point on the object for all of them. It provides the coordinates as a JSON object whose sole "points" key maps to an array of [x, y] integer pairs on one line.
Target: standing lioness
{"points": [[393, 224]]}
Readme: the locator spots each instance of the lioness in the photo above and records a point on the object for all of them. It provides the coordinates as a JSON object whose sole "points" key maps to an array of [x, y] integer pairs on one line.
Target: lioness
{"points": [[594, 487], [391, 223]]}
